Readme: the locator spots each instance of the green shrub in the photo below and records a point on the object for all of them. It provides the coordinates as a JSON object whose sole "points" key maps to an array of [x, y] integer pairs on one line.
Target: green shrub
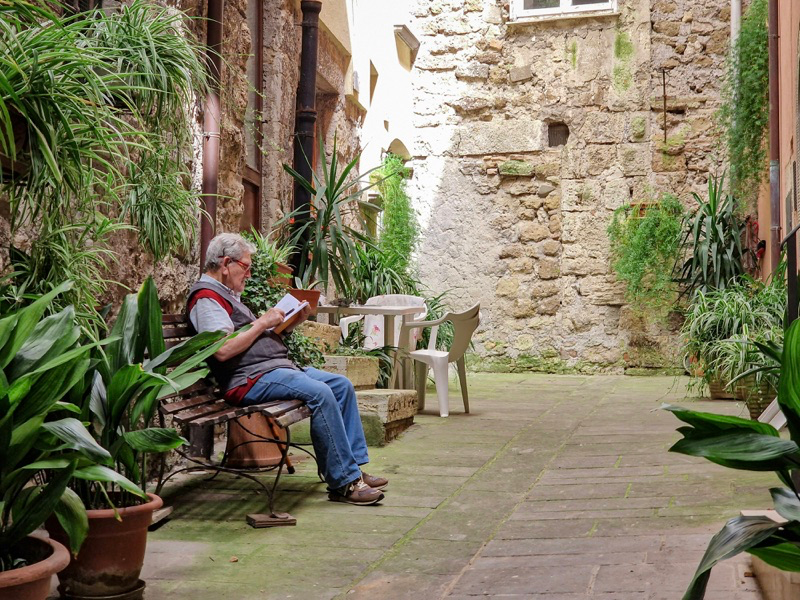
{"points": [[644, 248], [744, 114], [399, 229], [266, 287]]}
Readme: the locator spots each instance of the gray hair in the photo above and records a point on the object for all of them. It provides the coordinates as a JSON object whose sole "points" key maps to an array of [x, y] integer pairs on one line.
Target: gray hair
{"points": [[231, 245]]}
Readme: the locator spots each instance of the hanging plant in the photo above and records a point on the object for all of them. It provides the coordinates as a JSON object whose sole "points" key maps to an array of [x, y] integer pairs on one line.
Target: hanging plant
{"points": [[744, 114], [644, 247]]}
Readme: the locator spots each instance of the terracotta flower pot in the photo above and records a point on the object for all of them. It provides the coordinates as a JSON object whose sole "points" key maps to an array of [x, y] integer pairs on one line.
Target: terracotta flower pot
{"points": [[312, 296], [33, 582], [112, 556], [284, 277]]}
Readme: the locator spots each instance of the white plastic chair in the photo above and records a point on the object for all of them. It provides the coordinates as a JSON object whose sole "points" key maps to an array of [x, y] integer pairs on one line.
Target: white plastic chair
{"points": [[464, 325], [373, 324]]}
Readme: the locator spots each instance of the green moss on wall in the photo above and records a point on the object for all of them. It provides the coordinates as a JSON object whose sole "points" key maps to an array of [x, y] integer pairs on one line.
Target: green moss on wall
{"points": [[638, 128], [547, 362], [622, 78], [623, 46], [572, 54], [517, 168]]}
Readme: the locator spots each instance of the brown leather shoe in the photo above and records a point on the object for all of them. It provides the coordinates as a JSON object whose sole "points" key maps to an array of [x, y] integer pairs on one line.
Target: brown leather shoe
{"points": [[357, 492], [379, 483]]}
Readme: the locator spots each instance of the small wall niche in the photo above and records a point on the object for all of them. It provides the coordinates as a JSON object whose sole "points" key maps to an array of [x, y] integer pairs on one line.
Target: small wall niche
{"points": [[557, 134]]}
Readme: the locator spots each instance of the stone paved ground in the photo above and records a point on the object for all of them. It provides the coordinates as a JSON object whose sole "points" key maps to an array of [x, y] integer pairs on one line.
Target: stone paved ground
{"points": [[555, 487]]}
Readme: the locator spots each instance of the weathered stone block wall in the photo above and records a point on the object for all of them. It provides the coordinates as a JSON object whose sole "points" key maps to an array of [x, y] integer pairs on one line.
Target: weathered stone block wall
{"points": [[520, 226]]}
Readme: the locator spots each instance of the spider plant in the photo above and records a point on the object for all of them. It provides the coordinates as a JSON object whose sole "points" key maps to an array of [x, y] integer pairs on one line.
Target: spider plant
{"points": [[721, 324], [83, 98]]}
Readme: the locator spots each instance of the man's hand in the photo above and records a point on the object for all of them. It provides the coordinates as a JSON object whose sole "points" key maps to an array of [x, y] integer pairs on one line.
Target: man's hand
{"points": [[303, 315], [244, 340], [270, 319]]}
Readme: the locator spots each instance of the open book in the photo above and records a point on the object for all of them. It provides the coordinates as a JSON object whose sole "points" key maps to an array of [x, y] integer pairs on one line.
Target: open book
{"points": [[291, 307]]}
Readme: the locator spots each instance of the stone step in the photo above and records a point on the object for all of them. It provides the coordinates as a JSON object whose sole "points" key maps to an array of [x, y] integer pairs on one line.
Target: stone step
{"points": [[385, 414], [362, 371]]}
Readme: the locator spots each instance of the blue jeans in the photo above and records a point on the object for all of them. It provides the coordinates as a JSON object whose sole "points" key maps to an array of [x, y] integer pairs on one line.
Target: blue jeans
{"points": [[336, 431]]}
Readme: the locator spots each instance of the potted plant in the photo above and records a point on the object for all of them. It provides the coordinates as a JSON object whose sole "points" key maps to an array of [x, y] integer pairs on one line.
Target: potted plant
{"points": [[712, 237], [40, 435], [722, 325], [103, 97], [753, 446], [326, 243], [119, 397], [644, 247]]}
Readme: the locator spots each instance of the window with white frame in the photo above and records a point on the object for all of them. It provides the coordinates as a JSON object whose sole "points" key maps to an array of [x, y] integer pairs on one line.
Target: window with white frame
{"points": [[540, 8]]}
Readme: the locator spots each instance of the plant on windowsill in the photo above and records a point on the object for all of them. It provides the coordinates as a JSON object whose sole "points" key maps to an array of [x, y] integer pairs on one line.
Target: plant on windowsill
{"points": [[752, 446], [645, 243]]}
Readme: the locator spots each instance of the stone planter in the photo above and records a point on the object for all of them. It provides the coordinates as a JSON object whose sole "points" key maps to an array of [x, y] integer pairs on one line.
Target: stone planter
{"points": [[33, 582], [325, 336], [362, 371]]}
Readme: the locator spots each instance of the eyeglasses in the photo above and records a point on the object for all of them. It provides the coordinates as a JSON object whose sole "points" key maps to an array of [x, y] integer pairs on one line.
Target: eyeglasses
{"points": [[245, 267]]}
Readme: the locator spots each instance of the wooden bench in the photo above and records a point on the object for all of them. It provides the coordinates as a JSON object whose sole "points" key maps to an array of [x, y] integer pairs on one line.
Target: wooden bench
{"points": [[200, 407]]}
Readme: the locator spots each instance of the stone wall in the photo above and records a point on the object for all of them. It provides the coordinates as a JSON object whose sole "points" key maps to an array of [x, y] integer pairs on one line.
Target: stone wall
{"points": [[520, 226]]}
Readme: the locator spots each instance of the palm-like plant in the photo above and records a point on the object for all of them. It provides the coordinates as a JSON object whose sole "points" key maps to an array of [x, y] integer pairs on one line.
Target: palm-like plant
{"points": [[713, 236], [749, 445], [325, 236]]}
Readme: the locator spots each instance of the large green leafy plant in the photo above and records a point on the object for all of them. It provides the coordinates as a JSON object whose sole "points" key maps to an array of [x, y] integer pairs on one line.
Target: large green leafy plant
{"points": [[712, 238], [752, 446], [41, 433], [133, 371], [94, 131], [644, 247]]}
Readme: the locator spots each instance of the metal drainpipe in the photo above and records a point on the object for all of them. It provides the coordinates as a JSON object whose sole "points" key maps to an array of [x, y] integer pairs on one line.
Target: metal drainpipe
{"points": [[774, 138], [736, 20], [211, 125], [306, 116]]}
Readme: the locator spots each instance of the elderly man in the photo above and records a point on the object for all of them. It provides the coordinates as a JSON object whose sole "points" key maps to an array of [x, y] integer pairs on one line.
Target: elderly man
{"points": [[254, 367]]}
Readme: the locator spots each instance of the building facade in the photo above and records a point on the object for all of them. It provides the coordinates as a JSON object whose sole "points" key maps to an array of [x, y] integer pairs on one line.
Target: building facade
{"points": [[534, 120]]}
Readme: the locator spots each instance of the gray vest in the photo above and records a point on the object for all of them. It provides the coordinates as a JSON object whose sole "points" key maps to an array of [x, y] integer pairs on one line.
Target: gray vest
{"points": [[266, 354]]}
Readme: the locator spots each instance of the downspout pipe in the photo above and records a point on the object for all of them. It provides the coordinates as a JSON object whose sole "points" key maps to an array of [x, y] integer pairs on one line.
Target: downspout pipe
{"points": [[736, 21], [774, 138], [306, 115], [211, 126]]}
